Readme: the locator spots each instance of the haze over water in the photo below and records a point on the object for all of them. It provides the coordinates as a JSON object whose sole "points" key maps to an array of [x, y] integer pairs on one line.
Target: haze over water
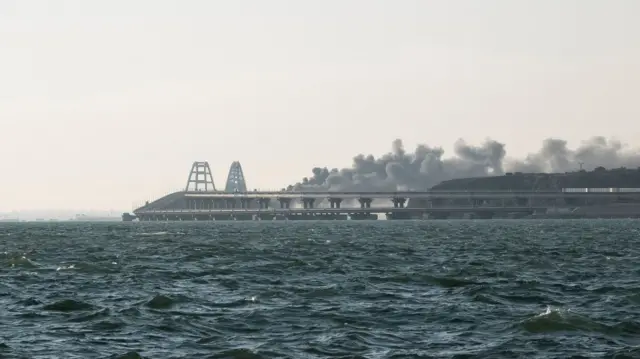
{"points": [[107, 103], [436, 289]]}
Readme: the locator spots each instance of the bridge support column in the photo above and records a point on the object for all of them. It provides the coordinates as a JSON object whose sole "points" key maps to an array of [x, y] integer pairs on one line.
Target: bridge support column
{"points": [[335, 202], [264, 203], [307, 203], [230, 203], [245, 203], [398, 202], [365, 202], [284, 202]]}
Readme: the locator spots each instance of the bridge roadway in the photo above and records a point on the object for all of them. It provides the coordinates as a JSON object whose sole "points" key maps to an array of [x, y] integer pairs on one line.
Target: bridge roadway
{"points": [[285, 211], [413, 194]]}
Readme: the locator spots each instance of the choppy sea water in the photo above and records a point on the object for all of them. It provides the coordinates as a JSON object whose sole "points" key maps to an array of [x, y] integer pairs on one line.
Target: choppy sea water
{"points": [[421, 289]]}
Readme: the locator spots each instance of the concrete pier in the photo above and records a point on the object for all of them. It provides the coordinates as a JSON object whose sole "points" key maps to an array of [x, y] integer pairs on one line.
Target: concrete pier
{"points": [[335, 202], [365, 202], [308, 202], [284, 202], [398, 202], [263, 203]]}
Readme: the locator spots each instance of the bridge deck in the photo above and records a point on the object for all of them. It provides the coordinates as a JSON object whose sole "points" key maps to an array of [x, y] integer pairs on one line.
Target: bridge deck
{"points": [[419, 195], [334, 210]]}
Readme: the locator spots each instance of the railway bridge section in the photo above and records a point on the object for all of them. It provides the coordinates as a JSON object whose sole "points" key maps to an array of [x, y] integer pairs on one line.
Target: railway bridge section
{"points": [[200, 200]]}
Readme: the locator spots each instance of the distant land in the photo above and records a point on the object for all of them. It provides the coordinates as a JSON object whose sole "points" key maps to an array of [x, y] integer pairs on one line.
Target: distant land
{"points": [[598, 178], [56, 215]]}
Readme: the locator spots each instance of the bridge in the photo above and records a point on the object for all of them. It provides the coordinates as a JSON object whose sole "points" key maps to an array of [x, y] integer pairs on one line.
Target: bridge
{"points": [[201, 178], [200, 200], [408, 194], [326, 213], [332, 210]]}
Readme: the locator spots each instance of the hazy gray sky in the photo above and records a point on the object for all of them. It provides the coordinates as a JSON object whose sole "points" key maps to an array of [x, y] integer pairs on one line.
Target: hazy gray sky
{"points": [[106, 103]]}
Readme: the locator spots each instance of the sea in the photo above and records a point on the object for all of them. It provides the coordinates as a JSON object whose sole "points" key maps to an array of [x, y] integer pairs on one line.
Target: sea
{"points": [[332, 289]]}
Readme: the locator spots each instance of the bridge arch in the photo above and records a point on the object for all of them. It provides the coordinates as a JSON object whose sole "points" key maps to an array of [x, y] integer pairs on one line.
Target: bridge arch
{"points": [[200, 178], [235, 179]]}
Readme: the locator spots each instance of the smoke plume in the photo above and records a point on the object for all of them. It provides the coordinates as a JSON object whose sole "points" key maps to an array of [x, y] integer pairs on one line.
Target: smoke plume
{"points": [[555, 156], [425, 167]]}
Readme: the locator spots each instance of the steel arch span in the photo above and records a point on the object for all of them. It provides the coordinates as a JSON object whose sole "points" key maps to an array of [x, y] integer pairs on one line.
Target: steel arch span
{"points": [[235, 180], [199, 177]]}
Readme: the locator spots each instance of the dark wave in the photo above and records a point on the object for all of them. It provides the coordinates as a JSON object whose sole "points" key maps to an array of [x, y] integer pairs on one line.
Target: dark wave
{"points": [[458, 289]]}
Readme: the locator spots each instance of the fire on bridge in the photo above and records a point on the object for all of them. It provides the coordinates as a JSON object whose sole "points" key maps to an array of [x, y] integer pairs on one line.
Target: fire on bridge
{"points": [[200, 200]]}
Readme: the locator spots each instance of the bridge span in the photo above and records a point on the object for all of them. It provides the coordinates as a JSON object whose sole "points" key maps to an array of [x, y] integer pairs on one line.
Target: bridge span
{"points": [[326, 213], [201, 200], [216, 205], [408, 194]]}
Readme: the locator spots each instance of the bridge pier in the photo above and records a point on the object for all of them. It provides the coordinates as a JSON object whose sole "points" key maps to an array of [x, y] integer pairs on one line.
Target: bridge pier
{"points": [[365, 202], [335, 202], [263, 203], [307, 203], [398, 202], [284, 202], [230, 203], [245, 203]]}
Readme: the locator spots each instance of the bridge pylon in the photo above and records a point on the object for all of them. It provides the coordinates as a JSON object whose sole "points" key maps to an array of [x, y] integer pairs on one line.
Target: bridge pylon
{"points": [[235, 180], [200, 177]]}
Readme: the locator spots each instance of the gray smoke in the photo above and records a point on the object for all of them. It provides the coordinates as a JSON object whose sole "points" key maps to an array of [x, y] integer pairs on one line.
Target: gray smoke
{"points": [[555, 156], [425, 167], [400, 170]]}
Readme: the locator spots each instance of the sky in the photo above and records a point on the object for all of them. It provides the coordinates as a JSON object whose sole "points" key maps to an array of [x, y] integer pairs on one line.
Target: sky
{"points": [[105, 104]]}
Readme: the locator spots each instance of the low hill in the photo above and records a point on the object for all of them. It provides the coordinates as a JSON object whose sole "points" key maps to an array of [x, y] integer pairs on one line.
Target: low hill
{"points": [[598, 178]]}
